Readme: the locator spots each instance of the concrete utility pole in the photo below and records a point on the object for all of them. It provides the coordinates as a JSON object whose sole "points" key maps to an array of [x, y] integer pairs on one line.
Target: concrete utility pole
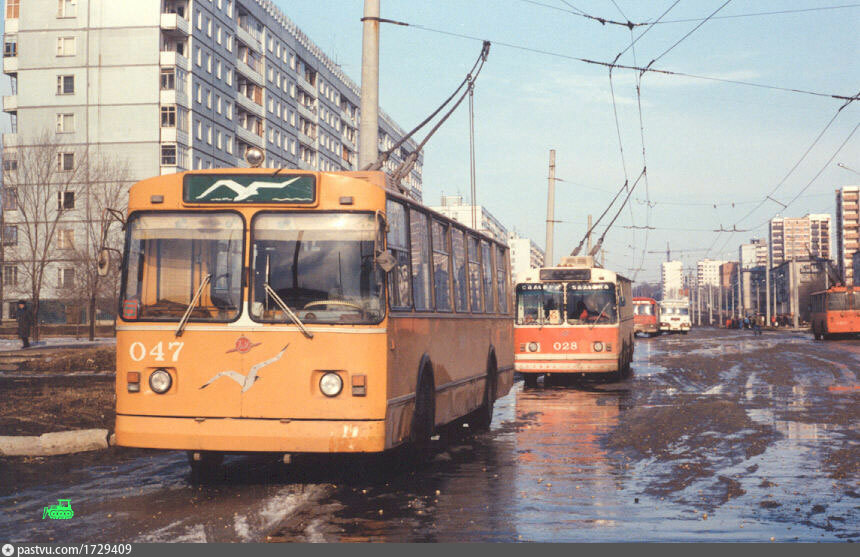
{"points": [[710, 305], [795, 293], [719, 305], [368, 130], [699, 302], [550, 209], [767, 289]]}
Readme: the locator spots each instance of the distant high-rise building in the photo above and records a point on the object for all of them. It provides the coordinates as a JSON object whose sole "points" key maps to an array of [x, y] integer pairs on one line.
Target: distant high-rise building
{"points": [[753, 254], [673, 279], [708, 272], [455, 208], [847, 230], [794, 238], [525, 255]]}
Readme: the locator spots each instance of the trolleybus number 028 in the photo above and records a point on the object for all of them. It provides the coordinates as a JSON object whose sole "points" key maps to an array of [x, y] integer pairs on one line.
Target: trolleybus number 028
{"points": [[564, 346], [137, 351]]}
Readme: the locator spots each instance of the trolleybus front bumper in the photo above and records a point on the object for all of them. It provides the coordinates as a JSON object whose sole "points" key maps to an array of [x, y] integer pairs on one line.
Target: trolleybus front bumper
{"points": [[250, 434], [586, 363]]}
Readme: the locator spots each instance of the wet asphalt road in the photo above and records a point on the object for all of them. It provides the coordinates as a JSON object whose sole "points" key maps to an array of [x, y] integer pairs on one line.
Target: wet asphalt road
{"points": [[718, 436]]}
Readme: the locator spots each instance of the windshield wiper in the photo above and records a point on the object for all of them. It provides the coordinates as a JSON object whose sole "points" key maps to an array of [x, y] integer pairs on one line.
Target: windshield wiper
{"points": [[193, 303], [287, 309], [599, 315]]}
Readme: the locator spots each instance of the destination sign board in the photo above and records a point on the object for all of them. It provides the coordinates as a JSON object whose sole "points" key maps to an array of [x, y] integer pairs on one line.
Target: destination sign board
{"points": [[249, 188], [565, 274]]}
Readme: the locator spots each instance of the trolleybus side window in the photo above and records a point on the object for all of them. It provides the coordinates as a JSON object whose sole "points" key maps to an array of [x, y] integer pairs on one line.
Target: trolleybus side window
{"points": [[320, 265], [420, 260], [502, 278], [459, 248], [174, 257], [441, 266], [837, 301], [399, 281], [474, 276], [591, 303], [487, 266], [856, 301], [540, 304]]}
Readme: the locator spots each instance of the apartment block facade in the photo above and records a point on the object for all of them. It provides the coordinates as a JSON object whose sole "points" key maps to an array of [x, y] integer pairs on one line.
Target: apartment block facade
{"points": [[174, 85], [455, 208], [847, 231], [525, 255], [708, 272], [672, 278], [794, 238]]}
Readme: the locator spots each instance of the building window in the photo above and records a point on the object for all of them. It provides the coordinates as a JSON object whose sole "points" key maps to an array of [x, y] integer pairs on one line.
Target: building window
{"points": [[66, 278], [65, 84], [65, 200], [65, 46], [10, 199], [65, 162], [10, 164], [10, 235], [65, 239], [65, 123], [168, 116], [10, 47], [168, 155], [10, 275], [67, 8], [168, 79], [12, 8]]}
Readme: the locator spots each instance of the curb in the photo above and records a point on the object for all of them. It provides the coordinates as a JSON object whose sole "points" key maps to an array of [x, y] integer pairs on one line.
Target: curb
{"points": [[57, 443]]}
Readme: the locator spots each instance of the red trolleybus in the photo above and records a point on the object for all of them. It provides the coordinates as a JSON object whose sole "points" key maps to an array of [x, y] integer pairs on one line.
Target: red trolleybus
{"points": [[835, 311], [573, 320], [646, 316]]}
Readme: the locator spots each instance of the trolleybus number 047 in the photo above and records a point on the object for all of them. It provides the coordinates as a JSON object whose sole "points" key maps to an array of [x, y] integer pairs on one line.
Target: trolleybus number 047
{"points": [[137, 351], [564, 346]]}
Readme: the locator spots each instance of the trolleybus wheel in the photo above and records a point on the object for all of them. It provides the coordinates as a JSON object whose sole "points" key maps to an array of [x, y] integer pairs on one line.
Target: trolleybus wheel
{"points": [[424, 418], [530, 379], [484, 414], [205, 465]]}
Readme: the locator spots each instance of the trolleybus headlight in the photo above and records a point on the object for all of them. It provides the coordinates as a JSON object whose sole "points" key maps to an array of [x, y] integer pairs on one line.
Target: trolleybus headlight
{"points": [[331, 384], [160, 381], [534, 347], [598, 347]]}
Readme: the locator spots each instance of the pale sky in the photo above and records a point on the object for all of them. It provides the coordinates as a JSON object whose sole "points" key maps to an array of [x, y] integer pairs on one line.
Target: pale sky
{"points": [[706, 141]]}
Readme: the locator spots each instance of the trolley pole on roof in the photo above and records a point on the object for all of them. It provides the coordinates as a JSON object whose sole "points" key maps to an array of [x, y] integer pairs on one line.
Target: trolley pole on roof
{"points": [[588, 235], [368, 130], [550, 209]]}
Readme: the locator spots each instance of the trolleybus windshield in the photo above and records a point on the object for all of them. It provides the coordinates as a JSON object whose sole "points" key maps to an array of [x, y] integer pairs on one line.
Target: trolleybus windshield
{"points": [[837, 301], [591, 303], [643, 309], [321, 265], [172, 257], [540, 304]]}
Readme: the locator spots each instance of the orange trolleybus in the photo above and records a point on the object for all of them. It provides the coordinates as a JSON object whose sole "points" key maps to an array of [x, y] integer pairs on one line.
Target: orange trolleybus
{"points": [[290, 311], [574, 319], [646, 316], [835, 311]]}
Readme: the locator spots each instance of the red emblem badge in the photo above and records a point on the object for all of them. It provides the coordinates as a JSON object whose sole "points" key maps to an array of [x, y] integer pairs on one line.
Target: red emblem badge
{"points": [[243, 345]]}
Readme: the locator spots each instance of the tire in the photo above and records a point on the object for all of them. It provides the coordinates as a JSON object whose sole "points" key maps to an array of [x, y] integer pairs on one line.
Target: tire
{"points": [[207, 468], [424, 418], [484, 414], [530, 380]]}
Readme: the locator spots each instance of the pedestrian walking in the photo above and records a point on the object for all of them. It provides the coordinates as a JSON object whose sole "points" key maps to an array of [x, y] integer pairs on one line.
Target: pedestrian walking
{"points": [[25, 323], [756, 326]]}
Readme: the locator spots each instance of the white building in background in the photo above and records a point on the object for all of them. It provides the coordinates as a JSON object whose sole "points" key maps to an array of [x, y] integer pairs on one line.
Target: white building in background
{"points": [[672, 277], [847, 230], [753, 254], [525, 255], [708, 272], [455, 208], [174, 85]]}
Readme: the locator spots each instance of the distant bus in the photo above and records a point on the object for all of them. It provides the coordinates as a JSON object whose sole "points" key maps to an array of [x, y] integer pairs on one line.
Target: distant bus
{"points": [[646, 315], [675, 316], [575, 320], [835, 311], [267, 310]]}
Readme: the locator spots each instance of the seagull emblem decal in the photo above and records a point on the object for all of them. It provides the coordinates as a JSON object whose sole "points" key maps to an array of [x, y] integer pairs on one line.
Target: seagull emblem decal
{"points": [[247, 381], [244, 192]]}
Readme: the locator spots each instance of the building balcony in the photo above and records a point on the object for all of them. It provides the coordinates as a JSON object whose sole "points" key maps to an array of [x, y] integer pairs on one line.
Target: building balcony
{"points": [[172, 96], [308, 112], [250, 73], [243, 35], [304, 165], [10, 103], [174, 135], [348, 143], [173, 58], [305, 84], [350, 120], [306, 139], [175, 24], [249, 137], [10, 140], [250, 105], [10, 65]]}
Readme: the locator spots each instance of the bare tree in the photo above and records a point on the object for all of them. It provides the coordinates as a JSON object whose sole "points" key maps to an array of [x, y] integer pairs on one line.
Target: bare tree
{"points": [[43, 184]]}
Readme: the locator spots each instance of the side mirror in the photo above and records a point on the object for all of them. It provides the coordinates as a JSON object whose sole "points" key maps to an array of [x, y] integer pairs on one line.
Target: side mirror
{"points": [[103, 263], [385, 260]]}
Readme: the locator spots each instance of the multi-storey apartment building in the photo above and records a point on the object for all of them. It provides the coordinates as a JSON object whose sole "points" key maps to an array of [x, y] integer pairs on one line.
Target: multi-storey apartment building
{"points": [[847, 230], [793, 238], [672, 278], [173, 85], [455, 208], [708, 272], [753, 254], [525, 255]]}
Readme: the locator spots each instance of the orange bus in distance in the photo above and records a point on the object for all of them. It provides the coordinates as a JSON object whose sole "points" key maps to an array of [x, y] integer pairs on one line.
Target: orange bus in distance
{"points": [[287, 311], [835, 311], [574, 320], [646, 316]]}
